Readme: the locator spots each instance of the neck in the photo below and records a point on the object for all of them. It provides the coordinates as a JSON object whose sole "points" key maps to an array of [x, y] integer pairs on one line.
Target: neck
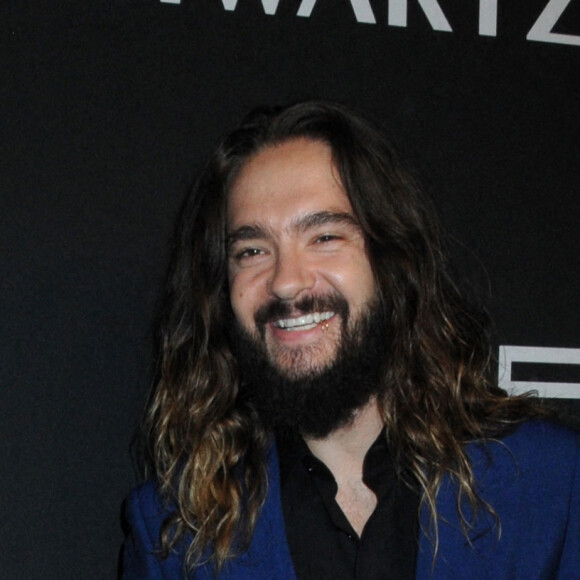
{"points": [[343, 451]]}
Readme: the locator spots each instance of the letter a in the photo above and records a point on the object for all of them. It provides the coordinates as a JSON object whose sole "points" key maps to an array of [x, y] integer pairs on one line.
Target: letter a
{"points": [[398, 14], [362, 10]]}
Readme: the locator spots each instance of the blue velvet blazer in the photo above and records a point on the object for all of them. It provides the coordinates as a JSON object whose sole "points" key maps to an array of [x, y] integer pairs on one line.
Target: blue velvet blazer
{"points": [[531, 478]]}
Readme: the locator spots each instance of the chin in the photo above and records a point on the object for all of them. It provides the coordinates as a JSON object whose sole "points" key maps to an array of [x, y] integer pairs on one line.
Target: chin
{"points": [[298, 365], [302, 371]]}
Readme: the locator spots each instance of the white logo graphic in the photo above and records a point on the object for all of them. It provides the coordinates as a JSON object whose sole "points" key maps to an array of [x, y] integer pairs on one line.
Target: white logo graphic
{"points": [[542, 29], [540, 355], [397, 16]]}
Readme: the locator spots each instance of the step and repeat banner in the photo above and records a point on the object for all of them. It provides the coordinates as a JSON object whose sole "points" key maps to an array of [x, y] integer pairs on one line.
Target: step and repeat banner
{"points": [[109, 109]]}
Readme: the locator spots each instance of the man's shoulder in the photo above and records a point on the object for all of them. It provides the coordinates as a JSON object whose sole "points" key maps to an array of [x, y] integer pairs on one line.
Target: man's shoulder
{"points": [[539, 439], [531, 479], [544, 429], [531, 454], [145, 507], [146, 493]]}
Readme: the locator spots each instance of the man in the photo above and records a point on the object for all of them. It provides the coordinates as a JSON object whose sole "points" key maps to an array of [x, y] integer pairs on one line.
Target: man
{"points": [[324, 407]]}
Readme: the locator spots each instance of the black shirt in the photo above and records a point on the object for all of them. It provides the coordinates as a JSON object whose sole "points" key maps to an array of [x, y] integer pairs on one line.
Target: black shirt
{"points": [[322, 542]]}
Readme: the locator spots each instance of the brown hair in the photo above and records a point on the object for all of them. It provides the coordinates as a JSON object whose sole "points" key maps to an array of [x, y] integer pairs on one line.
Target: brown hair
{"points": [[207, 450]]}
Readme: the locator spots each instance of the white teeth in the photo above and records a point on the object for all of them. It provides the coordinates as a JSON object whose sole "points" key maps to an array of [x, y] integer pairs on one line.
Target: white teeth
{"points": [[305, 322]]}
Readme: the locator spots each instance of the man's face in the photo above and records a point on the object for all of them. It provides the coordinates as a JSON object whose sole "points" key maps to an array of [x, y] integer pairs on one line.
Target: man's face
{"points": [[299, 274]]}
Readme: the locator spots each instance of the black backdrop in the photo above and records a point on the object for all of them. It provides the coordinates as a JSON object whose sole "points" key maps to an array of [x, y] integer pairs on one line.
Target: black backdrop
{"points": [[108, 109]]}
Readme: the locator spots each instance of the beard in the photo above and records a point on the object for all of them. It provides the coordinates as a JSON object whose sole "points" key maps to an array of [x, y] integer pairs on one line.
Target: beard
{"points": [[290, 391]]}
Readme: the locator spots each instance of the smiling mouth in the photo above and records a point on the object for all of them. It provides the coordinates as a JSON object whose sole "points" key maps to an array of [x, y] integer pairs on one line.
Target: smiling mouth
{"points": [[306, 322]]}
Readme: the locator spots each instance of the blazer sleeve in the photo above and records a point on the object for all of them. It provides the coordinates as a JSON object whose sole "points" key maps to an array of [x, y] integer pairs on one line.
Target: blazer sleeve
{"points": [[144, 514], [267, 558], [570, 559]]}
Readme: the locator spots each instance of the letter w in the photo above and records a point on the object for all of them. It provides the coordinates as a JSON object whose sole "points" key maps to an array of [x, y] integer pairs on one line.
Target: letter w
{"points": [[270, 6]]}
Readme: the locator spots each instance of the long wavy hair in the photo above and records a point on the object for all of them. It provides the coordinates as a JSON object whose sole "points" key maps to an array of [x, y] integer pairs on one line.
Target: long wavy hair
{"points": [[208, 450]]}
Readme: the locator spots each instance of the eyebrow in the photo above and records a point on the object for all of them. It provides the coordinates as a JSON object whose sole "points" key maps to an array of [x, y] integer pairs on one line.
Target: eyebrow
{"points": [[299, 224], [320, 218], [246, 232]]}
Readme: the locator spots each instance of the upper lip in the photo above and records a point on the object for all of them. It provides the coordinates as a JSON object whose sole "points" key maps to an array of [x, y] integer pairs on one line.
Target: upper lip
{"points": [[313, 318]]}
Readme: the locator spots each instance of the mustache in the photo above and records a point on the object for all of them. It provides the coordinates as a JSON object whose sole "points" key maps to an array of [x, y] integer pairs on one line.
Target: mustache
{"points": [[276, 308]]}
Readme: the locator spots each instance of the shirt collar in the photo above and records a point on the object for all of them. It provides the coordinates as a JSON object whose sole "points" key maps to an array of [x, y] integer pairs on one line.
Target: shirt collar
{"points": [[378, 467]]}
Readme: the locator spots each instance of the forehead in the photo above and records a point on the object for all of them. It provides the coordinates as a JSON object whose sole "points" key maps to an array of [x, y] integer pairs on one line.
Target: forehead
{"points": [[286, 180]]}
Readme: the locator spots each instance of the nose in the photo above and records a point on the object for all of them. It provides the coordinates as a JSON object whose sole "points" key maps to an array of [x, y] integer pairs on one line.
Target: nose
{"points": [[291, 276]]}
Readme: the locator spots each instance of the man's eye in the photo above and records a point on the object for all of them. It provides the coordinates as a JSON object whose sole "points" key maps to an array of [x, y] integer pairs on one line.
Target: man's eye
{"points": [[248, 253], [326, 238]]}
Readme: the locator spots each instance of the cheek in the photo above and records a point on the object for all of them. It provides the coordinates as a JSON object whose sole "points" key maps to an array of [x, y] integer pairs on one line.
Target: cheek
{"points": [[242, 300], [355, 280], [236, 299]]}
